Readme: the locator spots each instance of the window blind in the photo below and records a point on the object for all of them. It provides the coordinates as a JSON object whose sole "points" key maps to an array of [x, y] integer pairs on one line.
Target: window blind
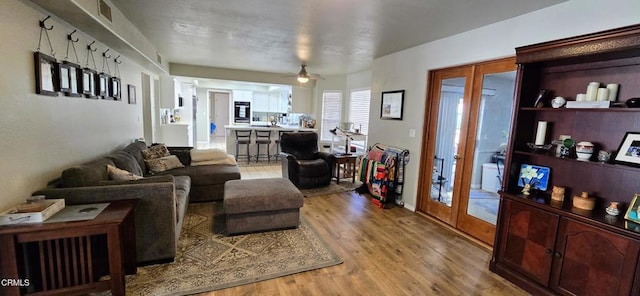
{"points": [[331, 113], [359, 109]]}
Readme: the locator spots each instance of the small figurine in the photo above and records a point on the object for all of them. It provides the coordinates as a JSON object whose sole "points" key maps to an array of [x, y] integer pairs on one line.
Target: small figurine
{"points": [[526, 190], [557, 193], [612, 209]]}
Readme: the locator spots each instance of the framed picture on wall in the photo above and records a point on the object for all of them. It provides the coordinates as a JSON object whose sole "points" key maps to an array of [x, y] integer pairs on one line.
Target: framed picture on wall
{"points": [[131, 89], [46, 74], [115, 88], [392, 104], [70, 79], [88, 83]]}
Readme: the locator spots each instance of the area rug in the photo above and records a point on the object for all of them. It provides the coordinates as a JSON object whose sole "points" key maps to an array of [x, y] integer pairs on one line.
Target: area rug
{"points": [[331, 188], [207, 260]]}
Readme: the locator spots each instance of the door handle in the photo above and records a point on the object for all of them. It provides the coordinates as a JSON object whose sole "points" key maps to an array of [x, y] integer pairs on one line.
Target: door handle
{"points": [[457, 156]]}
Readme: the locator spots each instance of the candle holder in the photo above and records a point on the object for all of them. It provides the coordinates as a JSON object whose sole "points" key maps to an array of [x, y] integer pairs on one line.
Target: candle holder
{"points": [[539, 148]]}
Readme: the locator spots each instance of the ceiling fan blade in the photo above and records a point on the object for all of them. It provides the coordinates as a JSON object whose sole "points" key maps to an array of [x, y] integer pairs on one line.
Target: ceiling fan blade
{"points": [[316, 76]]}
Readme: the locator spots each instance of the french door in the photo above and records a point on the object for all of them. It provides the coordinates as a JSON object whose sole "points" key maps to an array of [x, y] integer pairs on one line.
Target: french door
{"points": [[468, 120]]}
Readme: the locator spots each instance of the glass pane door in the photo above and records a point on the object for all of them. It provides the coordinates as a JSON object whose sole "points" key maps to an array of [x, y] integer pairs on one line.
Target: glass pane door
{"points": [[447, 139]]}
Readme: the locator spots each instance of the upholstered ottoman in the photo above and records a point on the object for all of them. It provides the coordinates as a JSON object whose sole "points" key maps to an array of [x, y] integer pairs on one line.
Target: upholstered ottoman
{"points": [[261, 204]]}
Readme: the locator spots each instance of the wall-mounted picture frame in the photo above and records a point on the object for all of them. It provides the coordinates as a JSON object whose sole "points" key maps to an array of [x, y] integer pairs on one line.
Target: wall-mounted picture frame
{"points": [[391, 106], [629, 150], [46, 69], [131, 91], [633, 213], [103, 82], [88, 83], [70, 79], [115, 88]]}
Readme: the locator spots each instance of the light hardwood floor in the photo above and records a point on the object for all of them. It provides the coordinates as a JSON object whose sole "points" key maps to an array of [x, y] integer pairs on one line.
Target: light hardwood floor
{"points": [[385, 252]]}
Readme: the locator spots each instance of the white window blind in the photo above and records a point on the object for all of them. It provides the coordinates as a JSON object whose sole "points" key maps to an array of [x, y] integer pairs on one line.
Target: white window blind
{"points": [[331, 113], [359, 109]]}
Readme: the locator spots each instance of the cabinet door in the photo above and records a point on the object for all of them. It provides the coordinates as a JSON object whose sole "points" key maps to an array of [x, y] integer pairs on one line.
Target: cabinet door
{"points": [[591, 261], [529, 237]]}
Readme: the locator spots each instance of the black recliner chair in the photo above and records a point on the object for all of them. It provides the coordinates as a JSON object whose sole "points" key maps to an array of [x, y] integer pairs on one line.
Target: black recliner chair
{"points": [[302, 163]]}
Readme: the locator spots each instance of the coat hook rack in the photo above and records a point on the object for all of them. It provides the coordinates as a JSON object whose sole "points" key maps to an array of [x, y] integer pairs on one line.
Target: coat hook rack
{"points": [[70, 38], [46, 30], [105, 58], [116, 60], [90, 52], [42, 25], [71, 41]]}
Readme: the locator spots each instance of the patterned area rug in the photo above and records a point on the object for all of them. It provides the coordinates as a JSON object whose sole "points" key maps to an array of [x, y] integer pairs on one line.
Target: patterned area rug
{"points": [[208, 260], [344, 186]]}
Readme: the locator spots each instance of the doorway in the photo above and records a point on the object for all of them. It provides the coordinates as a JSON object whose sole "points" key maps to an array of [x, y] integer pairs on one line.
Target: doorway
{"points": [[219, 114], [468, 120]]}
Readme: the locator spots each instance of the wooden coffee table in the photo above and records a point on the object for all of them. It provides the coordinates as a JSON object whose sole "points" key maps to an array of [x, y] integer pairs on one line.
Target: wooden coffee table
{"points": [[67, 258], [348, 165]]}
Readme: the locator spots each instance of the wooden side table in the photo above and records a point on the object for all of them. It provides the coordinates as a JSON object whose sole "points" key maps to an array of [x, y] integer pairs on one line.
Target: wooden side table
{"points": [[348, 165], [67, 258]]}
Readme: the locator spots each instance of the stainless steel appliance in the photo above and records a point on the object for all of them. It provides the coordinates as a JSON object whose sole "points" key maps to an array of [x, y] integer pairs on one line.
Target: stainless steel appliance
{"points": [[241, 112]]}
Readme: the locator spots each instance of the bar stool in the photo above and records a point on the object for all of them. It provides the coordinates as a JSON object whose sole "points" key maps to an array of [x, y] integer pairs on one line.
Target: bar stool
{"points": [[280, 132], [263, 138], [243, 137]]}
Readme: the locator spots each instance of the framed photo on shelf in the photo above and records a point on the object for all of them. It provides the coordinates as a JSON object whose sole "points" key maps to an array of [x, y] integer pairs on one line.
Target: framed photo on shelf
{"points": [[46, 74], [537, 176], [633, 213], [131, 89], [391, 105], [629, 150]]}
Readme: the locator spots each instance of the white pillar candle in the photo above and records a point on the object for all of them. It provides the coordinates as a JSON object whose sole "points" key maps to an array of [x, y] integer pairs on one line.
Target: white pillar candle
{"points": [[592, 91], [581, 97], [603, 94], [541, 133], [613, 91]]}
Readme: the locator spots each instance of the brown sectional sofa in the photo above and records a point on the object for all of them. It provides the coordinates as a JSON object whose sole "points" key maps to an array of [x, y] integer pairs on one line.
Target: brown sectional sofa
{"points": [[162, 198]]}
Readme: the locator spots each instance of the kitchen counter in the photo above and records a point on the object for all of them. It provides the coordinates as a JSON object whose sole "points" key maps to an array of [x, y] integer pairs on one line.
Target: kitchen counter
{"points": [[231, 137], [265, 127]]}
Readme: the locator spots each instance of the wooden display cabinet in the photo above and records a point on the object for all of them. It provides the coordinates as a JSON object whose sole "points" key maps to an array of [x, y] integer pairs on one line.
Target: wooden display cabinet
{"points": [[550, 247]]}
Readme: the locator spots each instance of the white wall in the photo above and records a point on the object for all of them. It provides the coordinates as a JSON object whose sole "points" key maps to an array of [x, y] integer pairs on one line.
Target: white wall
{"points": [[408, 69], [42, 135]]}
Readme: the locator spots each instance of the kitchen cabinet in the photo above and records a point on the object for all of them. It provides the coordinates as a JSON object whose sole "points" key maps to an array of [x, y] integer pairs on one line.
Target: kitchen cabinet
{"points": [[549, 247], [260, 102], [242, 95], [545, 252], [177, 134], [170, 93]]}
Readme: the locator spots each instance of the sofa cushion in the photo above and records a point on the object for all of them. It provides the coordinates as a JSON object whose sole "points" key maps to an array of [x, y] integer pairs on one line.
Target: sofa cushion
{"points": [[162, 164], [126, 161], [135, 149], [120, 175], [86, 174], [207, 174]]}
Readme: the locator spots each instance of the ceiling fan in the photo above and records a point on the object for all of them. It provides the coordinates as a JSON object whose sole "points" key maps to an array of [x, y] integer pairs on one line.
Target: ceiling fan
{"points": [[303, 76]]}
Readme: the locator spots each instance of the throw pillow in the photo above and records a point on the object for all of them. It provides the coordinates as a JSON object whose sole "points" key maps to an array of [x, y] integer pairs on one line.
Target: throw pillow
{"points": [[163, 163], [155, 151], [121, 175]]}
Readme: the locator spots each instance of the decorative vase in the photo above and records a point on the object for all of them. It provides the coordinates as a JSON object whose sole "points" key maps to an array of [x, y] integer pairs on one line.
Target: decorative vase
{"points": [[526, 190], [584, 150]]}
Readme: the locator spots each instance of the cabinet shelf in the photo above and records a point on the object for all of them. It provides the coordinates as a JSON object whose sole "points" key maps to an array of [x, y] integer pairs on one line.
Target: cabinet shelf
{"points": [[591, 163], [614, 109], [612, 223]]}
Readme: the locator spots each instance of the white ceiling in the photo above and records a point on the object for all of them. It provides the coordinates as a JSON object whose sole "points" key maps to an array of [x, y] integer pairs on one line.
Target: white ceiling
{"points": [[331, 36]]}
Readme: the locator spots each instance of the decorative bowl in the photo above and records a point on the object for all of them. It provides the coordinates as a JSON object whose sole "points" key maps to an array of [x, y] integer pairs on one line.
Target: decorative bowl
{"points": [[633, 103]]}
